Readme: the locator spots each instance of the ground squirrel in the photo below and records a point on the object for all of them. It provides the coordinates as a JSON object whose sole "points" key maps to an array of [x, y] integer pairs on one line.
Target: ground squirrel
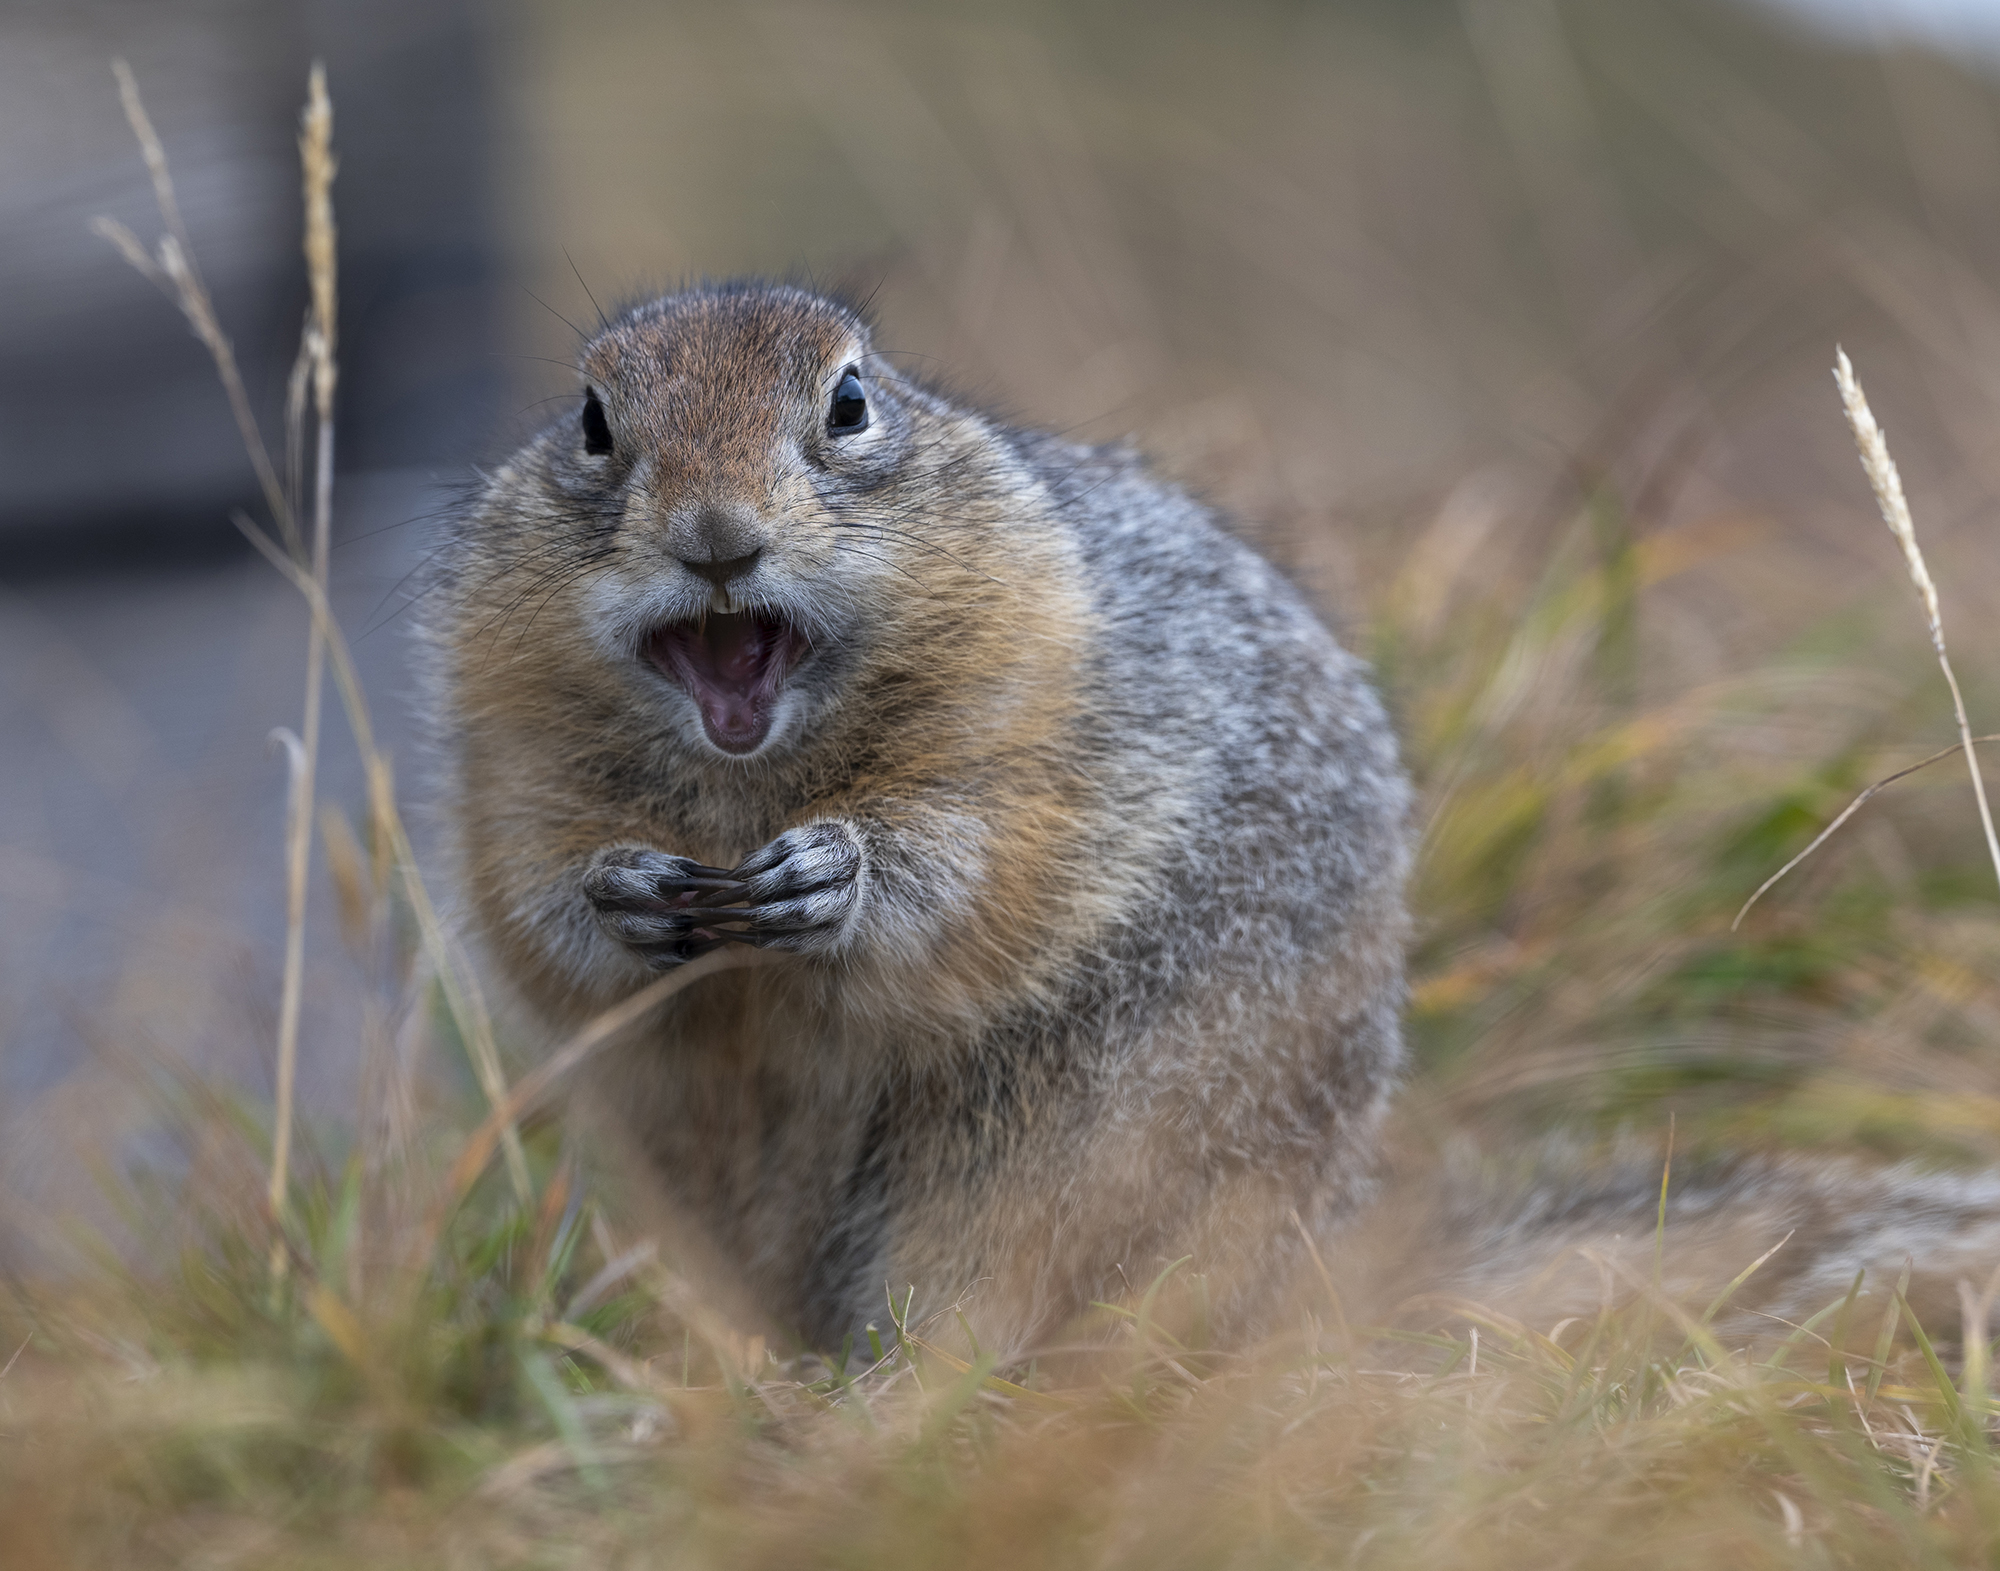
{"points": [[1082, 841]]}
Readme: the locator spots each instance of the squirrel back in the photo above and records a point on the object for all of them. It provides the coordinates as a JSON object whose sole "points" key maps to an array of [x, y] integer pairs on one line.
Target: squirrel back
{"points": [[1075, 841]]}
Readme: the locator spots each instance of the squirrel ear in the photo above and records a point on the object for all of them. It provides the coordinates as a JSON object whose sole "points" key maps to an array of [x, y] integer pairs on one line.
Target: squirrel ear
{"points": [[596, 429]]}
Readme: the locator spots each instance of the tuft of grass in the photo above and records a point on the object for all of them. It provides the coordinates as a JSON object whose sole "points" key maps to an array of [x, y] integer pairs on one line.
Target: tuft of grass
{"points": [[535, 1403]]}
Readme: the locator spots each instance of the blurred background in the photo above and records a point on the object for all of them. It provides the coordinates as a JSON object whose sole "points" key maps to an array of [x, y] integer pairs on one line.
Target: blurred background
{"points": [[1505, 325]]}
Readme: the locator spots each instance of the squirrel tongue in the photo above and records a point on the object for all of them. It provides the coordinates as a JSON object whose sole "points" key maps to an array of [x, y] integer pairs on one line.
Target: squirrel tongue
{"points": [[731, 665]]}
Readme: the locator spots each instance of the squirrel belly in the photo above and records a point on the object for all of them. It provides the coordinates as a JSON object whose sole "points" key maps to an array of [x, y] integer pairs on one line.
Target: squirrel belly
{"points": [[1074, 842]]}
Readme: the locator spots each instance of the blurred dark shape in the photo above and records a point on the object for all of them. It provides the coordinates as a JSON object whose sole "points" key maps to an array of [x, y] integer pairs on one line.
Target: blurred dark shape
{"points": [[116, 447]]}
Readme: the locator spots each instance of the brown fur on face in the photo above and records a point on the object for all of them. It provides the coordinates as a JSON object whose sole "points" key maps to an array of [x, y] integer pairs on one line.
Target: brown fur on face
{"points": [[1079, 841]]}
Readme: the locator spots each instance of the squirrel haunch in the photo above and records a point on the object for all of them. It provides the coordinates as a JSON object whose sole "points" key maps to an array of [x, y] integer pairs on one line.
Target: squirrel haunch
{"points": [[1077, 840]]}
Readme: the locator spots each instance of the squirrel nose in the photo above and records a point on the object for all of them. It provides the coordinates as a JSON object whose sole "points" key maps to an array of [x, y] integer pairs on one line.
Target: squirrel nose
{"points": [[718, 542], [721, 573]]}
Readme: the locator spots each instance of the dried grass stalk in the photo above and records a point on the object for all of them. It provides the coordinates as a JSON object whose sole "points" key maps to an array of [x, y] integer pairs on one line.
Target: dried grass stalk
{"points": [[1888, 485], [317, 167], [1846, 813], [1887, 482], [171, 266], [454, 974]]}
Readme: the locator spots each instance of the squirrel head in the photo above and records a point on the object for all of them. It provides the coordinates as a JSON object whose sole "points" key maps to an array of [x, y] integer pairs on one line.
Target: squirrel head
{"points": [[749, 545], [750, 478]]}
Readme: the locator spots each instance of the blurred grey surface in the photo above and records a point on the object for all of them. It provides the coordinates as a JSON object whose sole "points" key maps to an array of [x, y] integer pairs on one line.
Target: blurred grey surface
{"points": [[114, 444], [142, 828]]}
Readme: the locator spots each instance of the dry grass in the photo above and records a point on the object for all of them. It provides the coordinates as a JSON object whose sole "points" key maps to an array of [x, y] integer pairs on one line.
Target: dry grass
{"points": [[466, 1412], [475, 1366]]}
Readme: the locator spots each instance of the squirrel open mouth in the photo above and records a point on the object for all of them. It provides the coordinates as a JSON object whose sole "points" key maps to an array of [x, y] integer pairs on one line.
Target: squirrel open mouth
{"points": [[733, 665]]}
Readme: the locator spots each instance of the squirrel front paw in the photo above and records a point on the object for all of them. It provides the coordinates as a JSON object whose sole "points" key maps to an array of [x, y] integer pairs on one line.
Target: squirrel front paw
{"points": [[795, 894], [799, 891], [647, 901]]}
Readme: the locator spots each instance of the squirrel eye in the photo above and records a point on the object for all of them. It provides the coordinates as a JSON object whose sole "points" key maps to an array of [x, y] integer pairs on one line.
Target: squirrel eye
{"points": [[596, 429], [849, 411]]}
